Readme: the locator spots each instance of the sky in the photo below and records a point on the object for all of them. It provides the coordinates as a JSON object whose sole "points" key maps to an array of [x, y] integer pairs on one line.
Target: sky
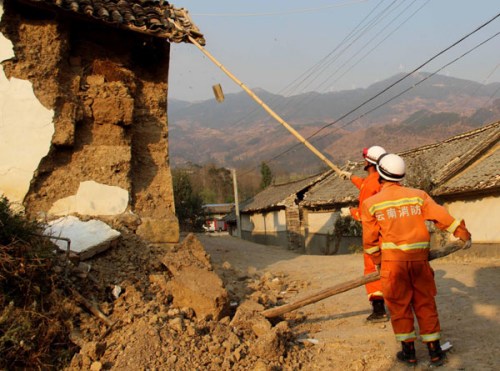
{"points": [[291, 47]]}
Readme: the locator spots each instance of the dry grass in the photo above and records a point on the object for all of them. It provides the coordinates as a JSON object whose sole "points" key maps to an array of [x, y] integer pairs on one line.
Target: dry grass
{"points": [[34, 322]]}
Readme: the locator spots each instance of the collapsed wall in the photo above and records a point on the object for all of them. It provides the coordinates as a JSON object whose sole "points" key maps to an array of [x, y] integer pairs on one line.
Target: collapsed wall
{"points": [[107, 90]]}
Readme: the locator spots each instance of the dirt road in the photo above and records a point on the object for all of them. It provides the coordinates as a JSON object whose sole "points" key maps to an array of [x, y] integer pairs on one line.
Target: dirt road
{"points": [[468, 302]]}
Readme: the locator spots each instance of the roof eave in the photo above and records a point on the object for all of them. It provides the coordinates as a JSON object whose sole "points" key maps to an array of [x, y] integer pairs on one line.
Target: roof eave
{"points": [[470, 192], [181, 26]]}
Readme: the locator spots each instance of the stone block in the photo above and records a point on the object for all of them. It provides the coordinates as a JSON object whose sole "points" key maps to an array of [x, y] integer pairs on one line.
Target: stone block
{"points": [[193, 283], [201, 290]]}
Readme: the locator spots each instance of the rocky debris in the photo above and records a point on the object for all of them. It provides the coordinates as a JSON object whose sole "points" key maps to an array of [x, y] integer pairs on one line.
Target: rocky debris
{"points": [[271, 343], [169, 314], [193, 282]]}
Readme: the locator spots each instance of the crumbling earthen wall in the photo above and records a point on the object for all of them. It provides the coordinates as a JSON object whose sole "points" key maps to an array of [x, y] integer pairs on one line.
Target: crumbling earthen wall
{"points": [[108, 89]]}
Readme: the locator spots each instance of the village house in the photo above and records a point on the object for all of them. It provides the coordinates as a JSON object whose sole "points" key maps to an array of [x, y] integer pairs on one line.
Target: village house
{"points": [[216, 211], [272, 217], [83, 120], [214, 215], [322, 206]]}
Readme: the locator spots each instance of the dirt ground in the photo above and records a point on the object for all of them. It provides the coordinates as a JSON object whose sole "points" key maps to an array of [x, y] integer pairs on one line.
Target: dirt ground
{"points": [[468, 303], [150, 332]]}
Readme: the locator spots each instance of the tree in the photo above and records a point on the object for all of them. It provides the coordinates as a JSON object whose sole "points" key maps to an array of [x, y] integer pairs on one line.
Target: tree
{"points": [[267, 175], [213, 184], [188, 204]]}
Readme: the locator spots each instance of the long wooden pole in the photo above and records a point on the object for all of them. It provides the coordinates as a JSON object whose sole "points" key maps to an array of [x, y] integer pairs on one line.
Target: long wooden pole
{"points": [[352, 284], [266, 107]]}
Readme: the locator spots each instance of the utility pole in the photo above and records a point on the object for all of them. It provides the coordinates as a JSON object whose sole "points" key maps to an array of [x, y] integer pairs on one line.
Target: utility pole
{"points": [[236, 203]]}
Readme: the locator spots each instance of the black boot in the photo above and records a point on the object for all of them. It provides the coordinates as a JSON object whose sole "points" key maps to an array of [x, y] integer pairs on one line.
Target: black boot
{"points": [[438, 357], [407, 354], [378, 314]]}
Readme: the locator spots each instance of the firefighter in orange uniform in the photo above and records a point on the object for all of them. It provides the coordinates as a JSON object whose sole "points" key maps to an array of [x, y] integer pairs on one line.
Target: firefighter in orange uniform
{"points": [[368, 187], [396, 238]]}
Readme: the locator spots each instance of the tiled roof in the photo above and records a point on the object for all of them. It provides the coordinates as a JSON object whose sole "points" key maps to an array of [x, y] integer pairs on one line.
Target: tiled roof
{"points": [[275, 195], [217, 208], [481, 175], [464, 163], [448, 158], [153, 17], [333, 190]]}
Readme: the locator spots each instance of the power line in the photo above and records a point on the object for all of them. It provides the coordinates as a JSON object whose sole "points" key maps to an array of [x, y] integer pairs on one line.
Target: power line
{"points": [[394, 97], [404, 77], [486, 78], [295, 84], [320, 66], [287, 12], [357, 33], [381, 41], [393, 84], [366, 44]]}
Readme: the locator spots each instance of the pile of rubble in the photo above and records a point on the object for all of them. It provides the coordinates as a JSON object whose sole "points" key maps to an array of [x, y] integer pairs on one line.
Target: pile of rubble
{"points": [[165, 307]]}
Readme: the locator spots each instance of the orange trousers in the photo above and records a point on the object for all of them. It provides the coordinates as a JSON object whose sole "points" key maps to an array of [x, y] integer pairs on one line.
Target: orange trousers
{"points": [[409, 288], [373, 289]]}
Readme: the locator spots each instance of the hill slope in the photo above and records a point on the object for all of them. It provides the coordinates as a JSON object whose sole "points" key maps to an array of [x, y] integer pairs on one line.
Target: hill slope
{"points": [[240, 133]]}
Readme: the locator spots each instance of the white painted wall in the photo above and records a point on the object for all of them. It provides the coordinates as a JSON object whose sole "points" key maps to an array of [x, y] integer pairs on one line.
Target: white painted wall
{"points": [[274, 221], [321, 222], [246, 223], [26, 130], [93, 199], [482, 217], [83, 235]]}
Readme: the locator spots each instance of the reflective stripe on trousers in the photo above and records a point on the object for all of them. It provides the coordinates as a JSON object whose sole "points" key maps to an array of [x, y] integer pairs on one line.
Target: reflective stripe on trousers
{"points": [[408, 288]]}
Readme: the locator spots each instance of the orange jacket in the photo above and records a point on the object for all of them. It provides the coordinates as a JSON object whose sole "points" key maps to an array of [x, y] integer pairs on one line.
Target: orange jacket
{"points": [[368, 187], [394, 223]]}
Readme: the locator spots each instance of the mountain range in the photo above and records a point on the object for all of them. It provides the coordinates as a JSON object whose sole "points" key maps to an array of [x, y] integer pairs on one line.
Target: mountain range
{"points": [[417, 110]]}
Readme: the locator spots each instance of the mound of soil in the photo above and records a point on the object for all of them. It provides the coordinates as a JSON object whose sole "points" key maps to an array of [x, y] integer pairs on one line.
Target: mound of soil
{"points": [[222, 328]]}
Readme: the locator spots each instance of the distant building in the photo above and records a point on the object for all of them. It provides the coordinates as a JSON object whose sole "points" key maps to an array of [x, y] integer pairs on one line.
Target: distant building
{"points": [[272, 217], [214, 215], [217, 211]]}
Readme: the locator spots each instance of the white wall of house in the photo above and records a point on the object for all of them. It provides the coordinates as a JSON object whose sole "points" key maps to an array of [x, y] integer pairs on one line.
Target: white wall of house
{"points": [[26, 130], [274, 221], [321, 222], [481, 217]]}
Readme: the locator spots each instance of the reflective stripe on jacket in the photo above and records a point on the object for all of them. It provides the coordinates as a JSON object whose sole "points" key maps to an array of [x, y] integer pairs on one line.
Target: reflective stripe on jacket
{"points": [[367, 187], [394, 223]]}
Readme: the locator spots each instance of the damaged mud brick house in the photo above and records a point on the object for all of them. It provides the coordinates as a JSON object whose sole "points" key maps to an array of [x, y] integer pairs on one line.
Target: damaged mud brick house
{"points": [[83, 120]]}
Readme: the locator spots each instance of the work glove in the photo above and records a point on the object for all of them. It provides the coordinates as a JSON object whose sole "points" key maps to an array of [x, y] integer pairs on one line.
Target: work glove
{"points": [[462, 232], [345, 211], [345, 175]]}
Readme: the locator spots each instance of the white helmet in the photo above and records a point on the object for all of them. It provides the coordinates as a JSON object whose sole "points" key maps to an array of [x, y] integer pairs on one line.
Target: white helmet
{"points": [[391, 167], [373, 153]]}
